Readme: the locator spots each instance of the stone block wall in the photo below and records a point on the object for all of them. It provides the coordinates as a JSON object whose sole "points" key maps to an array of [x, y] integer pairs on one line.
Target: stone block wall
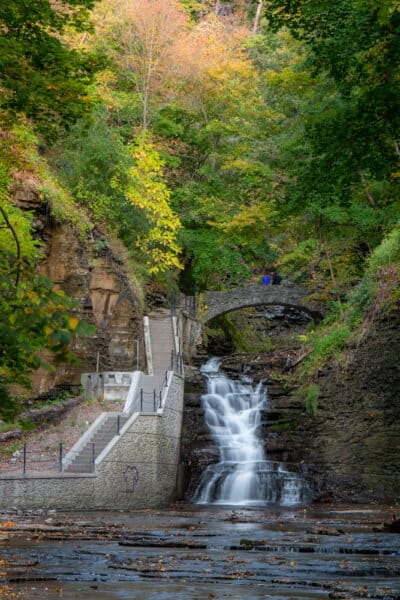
{"points": [[137, 470], [285, 294]]}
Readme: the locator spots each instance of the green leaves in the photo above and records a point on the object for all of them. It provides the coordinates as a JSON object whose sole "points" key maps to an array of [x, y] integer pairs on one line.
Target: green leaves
{"points": [[90, 159], [216, 261], [40, 75], [33, 316]]}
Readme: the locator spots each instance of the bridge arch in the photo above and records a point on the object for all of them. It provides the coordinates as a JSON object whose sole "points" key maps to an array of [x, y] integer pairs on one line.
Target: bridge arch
{"points": [[286, 294]]}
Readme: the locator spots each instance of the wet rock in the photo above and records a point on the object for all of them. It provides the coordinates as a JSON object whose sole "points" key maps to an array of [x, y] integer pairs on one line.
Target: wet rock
{"points": [[393, 526], [325, 531], [251, 543], [354, 440]]}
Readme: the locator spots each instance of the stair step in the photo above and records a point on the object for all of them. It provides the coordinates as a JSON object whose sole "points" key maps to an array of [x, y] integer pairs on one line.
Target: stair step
{"points": [[162, 335]]}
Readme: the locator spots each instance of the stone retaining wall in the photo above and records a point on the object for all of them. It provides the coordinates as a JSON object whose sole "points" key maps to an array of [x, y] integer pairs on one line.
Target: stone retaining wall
{"points": [[138, 469]]}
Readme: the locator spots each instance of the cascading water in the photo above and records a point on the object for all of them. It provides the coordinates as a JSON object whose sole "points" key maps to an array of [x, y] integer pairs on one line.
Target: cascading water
{"points": [[243, 476]]}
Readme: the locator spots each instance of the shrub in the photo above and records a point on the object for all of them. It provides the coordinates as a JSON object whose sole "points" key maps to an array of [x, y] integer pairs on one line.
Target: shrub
{"points": [[311, 399]]}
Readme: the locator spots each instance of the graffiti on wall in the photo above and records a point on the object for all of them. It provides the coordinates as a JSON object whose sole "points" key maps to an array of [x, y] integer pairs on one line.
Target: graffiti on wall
{"points": [[131, 476]]}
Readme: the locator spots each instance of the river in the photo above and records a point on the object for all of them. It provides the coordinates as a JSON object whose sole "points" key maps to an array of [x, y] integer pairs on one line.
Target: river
{"points": [[195, 552]]}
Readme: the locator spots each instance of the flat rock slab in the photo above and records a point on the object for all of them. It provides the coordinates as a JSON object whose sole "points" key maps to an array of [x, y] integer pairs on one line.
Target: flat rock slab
{"points": [[202, 553]]}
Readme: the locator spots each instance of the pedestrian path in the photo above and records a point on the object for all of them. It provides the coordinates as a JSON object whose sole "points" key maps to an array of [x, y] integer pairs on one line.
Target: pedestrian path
{"points": [[162, 340]]}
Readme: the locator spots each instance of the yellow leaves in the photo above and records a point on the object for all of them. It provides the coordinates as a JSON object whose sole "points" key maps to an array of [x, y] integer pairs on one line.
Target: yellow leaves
{"points": [[33, 296], [48, 330], [237, 164], [147, 191], [73, 322], [252, 220]]}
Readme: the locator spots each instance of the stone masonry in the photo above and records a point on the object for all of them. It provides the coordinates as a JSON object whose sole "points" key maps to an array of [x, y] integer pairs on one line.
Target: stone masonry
{"points": [[285, 294]]}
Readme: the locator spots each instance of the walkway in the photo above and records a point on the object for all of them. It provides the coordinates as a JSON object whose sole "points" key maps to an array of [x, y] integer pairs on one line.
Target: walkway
{"points": [[161, 340]]}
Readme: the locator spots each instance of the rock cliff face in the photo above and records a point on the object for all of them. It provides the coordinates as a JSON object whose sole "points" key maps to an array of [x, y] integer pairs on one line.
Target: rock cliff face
{"points": [[354, 441], [197, 447], [90, 273]]}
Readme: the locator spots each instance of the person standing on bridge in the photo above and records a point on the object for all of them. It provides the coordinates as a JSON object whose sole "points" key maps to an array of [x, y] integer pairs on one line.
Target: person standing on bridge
{"points": [[266, 280], [276, 278]]}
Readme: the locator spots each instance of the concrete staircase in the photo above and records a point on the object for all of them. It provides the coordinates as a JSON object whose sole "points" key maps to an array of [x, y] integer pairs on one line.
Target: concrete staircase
{"points": [[84, 459], [162, 340], [145, 396]]}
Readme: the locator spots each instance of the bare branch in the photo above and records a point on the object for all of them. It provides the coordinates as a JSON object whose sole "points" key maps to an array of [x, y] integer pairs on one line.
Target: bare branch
{"points": [[17, 243]]}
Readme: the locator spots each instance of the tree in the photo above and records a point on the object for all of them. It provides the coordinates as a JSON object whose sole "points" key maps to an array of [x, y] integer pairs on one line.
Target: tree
{"points": [[257, 17], [145, 189], [356, 44], [40, 75], [144, 32], [341, 191], [89, 159]]}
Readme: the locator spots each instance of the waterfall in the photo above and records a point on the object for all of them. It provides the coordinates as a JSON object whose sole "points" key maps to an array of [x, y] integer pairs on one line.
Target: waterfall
{"points": [[243, 476]]}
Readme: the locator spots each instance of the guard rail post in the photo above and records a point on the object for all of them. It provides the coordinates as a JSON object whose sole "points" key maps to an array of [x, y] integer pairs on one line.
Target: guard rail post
{"points": [[137, 355], [24, 459], [173, 305], [93, 457], [60, 458]]}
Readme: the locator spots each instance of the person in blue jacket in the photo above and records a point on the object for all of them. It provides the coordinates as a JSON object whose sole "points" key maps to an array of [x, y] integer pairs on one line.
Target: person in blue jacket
{"points": [[266, 280]]}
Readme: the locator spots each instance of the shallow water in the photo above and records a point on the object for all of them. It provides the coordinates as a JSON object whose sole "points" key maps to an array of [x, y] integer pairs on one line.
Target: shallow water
{"points": [[194, 553]]}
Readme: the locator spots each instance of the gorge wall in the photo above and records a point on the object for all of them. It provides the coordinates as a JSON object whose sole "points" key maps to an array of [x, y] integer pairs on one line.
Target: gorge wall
{"points": [[90, 272], [354, 440]]}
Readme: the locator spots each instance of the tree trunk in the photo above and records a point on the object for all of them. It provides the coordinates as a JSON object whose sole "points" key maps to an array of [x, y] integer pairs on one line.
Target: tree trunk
{"points": [[257, 17]]}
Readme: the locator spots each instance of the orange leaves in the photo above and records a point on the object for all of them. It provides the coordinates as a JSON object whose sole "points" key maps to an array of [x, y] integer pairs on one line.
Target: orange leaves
{"points": [[211, 55], [7, 593]]}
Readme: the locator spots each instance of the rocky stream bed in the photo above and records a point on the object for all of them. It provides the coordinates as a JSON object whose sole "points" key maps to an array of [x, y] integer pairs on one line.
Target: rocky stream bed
{"points": [[187, 552]]}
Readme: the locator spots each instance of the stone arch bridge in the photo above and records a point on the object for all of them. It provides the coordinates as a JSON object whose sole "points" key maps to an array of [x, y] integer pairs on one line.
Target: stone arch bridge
{"points": [[286, 293]]}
